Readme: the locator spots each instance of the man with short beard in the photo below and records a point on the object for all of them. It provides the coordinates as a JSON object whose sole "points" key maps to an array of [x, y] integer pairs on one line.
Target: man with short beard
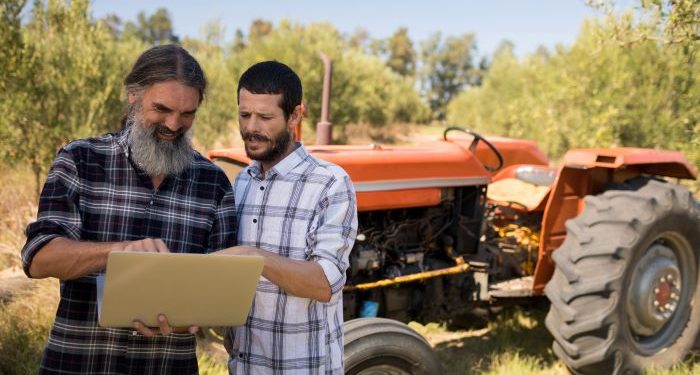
{"points": [[300, 214], [143, 189]]}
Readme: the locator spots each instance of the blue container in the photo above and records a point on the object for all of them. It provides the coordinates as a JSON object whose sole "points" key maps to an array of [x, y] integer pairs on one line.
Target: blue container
{"points": [[369, 309]]}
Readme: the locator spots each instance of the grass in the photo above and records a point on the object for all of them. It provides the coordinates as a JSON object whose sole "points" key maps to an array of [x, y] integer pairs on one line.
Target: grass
{"points": [[514, 339], [210, 364], [17, 208], [24, 326], [515, 342]]}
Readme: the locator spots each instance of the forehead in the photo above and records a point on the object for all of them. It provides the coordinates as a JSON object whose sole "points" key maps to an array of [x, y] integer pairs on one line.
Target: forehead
{"points": [[173, 94], [248, 101]]}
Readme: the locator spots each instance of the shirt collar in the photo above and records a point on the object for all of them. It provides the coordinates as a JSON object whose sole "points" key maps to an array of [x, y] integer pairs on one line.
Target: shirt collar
{"points": [[285, 165]]}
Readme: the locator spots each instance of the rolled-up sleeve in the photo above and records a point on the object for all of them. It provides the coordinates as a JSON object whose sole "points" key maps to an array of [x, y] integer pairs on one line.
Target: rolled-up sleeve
{"points": [[58, 214], [334, 234]]}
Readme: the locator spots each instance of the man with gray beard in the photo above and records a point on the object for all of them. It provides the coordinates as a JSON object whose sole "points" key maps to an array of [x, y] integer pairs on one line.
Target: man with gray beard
{"points": [[155, 156], [143, 189]]}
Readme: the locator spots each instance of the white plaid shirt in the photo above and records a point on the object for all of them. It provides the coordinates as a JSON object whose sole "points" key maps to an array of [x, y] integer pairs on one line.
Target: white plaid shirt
{"points": [[304, 208]]}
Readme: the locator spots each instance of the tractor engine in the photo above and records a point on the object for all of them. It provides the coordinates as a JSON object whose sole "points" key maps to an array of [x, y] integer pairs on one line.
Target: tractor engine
{"points": [[415, 241]]}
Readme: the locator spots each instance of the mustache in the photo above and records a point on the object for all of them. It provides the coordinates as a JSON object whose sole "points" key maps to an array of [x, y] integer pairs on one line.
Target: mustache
{"points": [[249, 136], [165, 131]]}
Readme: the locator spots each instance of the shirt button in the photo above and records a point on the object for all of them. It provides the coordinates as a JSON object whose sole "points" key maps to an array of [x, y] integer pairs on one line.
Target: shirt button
{"points": [[151, 202], [255, 221], [262, 188], [240, 355]]}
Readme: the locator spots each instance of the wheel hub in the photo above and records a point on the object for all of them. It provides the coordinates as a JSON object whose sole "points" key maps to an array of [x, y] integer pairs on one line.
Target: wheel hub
{"points": [[667, 294], [654, 291]]}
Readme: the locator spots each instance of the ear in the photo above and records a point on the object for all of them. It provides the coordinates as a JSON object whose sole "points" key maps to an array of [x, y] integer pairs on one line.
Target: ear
{"points": [[131, 97], [295, 117]]}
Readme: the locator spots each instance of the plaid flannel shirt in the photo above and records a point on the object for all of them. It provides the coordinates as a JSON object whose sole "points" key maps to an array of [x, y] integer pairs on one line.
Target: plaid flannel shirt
{"points": [[95, 193], [303, 208]]}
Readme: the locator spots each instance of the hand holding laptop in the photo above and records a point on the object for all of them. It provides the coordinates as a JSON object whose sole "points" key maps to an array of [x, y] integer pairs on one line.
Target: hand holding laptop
{"points": [[155, 245], [151, 291], [147, 245], [163, 328]]}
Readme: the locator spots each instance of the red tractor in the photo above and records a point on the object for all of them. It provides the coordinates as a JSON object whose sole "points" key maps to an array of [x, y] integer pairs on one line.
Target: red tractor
{"points": [[466, 222]]}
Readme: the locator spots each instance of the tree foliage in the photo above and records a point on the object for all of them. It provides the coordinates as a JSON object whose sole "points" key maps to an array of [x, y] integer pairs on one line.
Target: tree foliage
{"points": [[364, 89], [628, 80], [448, 68], [402, 55], [63, 81], [154, 29]]}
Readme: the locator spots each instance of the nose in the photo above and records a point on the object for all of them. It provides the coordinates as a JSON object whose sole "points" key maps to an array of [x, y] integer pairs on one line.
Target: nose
{"points": [[173, 122], [253, 124]]}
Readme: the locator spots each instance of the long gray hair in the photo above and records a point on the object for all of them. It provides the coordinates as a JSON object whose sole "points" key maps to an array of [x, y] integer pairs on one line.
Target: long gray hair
{"points": [[160, 64], [165, 63]]}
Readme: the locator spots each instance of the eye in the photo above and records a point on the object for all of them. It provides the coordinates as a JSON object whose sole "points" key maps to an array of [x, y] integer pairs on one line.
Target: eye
{"points": [[161, 109], [244, 115]]}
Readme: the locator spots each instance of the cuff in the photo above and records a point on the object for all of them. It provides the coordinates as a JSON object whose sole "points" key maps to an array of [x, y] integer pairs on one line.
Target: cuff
{"points": [[336, 279], [33, 246]]}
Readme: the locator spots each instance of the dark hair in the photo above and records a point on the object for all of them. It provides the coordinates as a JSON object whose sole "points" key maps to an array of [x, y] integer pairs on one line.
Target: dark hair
{"points": [[165, 63], [272, 77]]}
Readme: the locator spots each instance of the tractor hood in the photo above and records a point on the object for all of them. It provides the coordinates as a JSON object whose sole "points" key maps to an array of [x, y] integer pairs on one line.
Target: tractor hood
{"points": [[405, 176]]}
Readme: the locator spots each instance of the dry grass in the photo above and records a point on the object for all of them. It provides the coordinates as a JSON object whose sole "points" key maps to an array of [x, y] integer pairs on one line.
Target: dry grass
{"points": [[514, 338], [17, 208], [210, 364], [515, 342], [24, 327], [395, 134]]}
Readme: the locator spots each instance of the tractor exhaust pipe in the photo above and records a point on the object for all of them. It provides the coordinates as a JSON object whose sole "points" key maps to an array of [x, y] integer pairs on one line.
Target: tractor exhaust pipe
{"points": [[323, 128]]}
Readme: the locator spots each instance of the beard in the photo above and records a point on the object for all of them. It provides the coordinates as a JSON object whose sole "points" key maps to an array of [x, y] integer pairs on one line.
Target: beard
{"points": [[154, 156], [278, 145]]}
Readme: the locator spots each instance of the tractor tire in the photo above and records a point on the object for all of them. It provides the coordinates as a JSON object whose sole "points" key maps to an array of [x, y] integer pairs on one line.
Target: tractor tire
{"points": [[625, 294], [386, 346]]}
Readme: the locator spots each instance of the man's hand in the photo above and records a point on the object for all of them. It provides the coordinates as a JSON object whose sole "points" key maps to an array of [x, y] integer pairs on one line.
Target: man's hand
{"points": [[241, 250], [147, 245], [68, 259], [163, 328], [300, 278]]}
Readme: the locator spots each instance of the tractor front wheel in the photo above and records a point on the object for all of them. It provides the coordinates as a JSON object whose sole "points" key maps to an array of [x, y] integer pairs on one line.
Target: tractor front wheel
{"points": [[385, 346], [625, 294]]}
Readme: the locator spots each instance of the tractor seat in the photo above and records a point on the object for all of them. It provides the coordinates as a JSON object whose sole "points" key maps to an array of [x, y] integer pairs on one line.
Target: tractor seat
{"points": [[523, 187]]}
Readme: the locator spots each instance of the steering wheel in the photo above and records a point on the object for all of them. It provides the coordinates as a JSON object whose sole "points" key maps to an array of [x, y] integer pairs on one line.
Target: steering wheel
{"points": [[472, 147]]}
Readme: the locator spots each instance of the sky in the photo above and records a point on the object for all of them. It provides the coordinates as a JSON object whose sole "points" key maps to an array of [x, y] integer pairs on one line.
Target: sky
{"points": [[527, 23]]}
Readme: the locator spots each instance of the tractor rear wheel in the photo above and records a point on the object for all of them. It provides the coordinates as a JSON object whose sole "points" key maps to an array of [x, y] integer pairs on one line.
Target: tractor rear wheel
{"points": [[624, 294], [386, 346]]}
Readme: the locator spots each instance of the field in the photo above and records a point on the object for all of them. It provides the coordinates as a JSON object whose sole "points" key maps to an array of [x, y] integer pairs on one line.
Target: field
{"points": [[512, 342], [515, 342]]}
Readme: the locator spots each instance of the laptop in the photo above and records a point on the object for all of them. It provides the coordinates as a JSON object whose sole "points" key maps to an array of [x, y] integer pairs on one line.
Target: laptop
{"points": [[190, 289]]}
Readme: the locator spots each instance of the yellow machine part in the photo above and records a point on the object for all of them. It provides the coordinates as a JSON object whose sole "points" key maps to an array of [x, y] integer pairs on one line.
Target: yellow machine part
{"points": [[525, 238], [461, 267]]}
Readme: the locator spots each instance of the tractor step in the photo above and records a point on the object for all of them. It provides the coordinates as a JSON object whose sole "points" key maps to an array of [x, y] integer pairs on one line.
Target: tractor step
{"points": [[513, 288]]}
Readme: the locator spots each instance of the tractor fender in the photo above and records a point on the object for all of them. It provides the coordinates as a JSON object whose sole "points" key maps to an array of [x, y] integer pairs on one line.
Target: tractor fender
{"points": [[639, 160], [589, 172]]}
